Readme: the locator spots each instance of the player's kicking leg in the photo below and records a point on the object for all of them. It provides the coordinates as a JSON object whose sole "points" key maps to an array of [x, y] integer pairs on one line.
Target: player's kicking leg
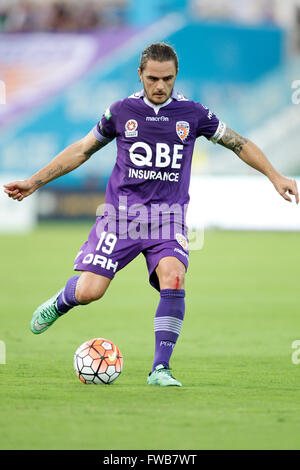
{"points": [[168, 319], [79, 290]]}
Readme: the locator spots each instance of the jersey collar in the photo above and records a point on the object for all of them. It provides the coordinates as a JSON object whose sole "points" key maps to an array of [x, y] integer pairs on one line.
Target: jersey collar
{"points": [[157, 107]]}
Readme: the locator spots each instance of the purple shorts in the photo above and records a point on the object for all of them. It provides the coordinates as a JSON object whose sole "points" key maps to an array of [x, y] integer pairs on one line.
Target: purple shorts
{"points": [[110, 248]]}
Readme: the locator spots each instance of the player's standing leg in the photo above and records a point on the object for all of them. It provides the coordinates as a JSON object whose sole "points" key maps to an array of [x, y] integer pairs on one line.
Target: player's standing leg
{"points": [[168, 319], [79, 290]]}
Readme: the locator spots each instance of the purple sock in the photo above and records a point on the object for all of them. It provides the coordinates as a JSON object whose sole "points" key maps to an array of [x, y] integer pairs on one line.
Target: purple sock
{"points": [[66, 299], [167, 324]]}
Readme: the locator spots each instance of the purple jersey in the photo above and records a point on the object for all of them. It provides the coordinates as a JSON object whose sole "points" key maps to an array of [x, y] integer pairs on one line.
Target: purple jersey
{"points": [[154, 148]]}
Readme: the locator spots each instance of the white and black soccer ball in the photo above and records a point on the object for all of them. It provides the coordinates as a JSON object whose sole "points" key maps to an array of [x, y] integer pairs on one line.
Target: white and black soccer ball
{"points": [[98, 361]]}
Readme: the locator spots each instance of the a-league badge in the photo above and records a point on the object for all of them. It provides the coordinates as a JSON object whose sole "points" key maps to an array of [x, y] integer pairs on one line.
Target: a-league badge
{"points": [[107, 114], [131, 128], [182, 129]]}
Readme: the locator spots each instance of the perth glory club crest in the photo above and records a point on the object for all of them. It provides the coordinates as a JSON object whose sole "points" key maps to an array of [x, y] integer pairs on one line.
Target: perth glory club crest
{"points": [[182, 240], [182, 129]]}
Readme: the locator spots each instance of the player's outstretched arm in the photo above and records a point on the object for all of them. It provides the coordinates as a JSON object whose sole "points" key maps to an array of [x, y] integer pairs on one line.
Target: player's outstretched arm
{"points": [[70, 158], [253, 156]]}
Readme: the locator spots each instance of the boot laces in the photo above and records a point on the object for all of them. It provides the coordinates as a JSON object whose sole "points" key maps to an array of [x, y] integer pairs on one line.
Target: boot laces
{"points": [[47, 313]]}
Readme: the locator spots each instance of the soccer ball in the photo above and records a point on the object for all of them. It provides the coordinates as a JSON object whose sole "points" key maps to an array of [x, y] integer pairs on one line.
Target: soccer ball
{"points": [[98, 361]]}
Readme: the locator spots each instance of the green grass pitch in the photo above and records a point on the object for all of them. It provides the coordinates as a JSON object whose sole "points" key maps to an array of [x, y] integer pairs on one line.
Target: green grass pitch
{"points": [[240, 387]]}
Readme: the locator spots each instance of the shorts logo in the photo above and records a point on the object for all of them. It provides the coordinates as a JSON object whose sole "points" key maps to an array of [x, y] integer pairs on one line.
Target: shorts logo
{"points": [[131, 128], [182, 240], [182, 129]]}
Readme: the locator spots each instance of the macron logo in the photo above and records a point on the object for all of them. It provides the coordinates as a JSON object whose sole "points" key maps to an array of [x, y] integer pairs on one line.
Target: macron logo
{"points": [[157, 118]]}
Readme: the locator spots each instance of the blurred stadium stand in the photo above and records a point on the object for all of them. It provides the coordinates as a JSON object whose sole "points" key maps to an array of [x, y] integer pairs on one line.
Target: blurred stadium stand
{"points": [[64, 61], [60, 15], [267, 114]]}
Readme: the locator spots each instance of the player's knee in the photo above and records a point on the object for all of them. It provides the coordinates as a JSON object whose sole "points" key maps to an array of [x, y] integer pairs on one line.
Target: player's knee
{"points": [[87, 294], [173, 279], [90, 287]]}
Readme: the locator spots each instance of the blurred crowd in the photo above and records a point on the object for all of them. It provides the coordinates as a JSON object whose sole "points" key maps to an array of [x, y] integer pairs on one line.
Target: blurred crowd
{"points": [[279, 12], [85, 15], [60, 15]]}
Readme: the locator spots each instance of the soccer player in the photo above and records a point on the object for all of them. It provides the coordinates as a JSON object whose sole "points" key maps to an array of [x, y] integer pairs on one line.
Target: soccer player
{"points": [[155, 129]]}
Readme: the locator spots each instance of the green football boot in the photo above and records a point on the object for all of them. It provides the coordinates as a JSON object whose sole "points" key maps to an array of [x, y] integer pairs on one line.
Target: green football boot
{"points": [[163, 377], [45, 315]]}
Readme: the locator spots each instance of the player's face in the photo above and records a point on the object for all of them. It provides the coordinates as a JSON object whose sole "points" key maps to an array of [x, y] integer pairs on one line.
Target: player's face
{"points": [[158, 79]]}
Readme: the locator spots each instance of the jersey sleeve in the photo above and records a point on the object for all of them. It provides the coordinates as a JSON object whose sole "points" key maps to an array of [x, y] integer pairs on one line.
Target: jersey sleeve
{"points": [[208, 124], [106, 129]]}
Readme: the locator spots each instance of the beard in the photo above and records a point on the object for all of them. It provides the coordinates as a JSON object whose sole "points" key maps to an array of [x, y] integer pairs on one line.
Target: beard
{"points": [[158, 98]]}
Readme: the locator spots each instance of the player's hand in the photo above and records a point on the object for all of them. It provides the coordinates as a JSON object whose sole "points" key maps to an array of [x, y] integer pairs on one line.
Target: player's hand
{"points": [[19, 189], [286, 186]]}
